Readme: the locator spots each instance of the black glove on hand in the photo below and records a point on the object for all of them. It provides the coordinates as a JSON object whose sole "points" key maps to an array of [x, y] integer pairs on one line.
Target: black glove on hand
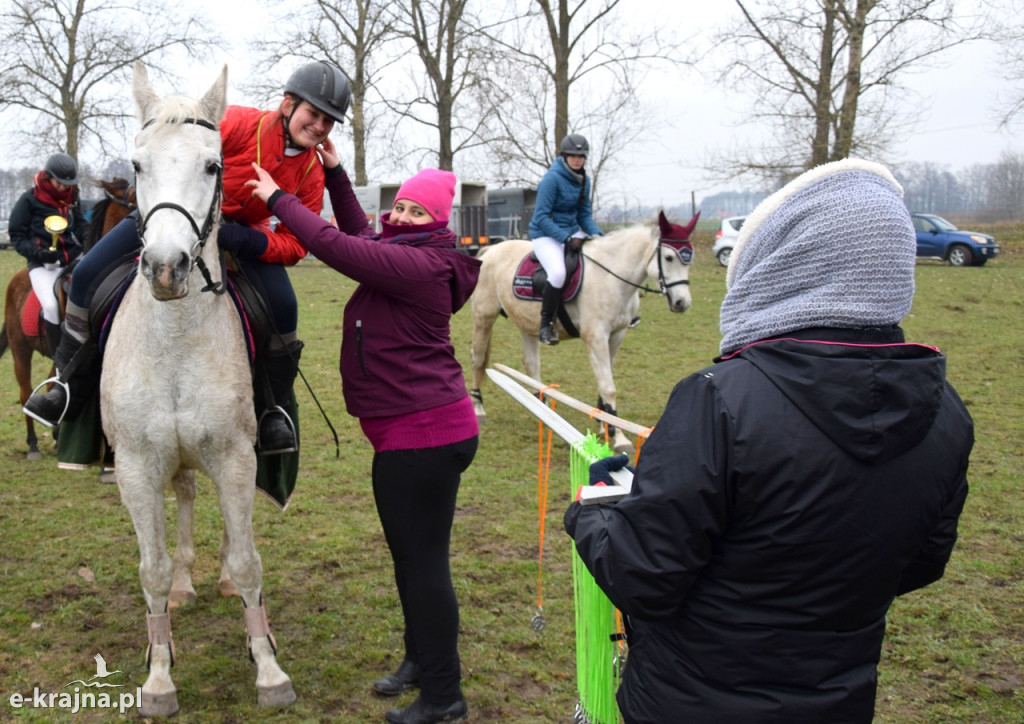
{"points": [[49, 256], [242, 241], [601, 469]]}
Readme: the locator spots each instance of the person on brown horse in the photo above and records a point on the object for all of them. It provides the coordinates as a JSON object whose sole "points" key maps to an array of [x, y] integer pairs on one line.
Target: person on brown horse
{"points": [[561, 217], [54, 192]]}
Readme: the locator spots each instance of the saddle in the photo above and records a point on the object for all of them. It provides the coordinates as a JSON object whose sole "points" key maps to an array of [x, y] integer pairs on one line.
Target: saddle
{"points": [[110, 287], [530, 277]]}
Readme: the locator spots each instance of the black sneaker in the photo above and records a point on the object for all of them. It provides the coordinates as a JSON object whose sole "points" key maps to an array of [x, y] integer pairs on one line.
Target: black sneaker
{"points": [[420, 712], [407, 677]]}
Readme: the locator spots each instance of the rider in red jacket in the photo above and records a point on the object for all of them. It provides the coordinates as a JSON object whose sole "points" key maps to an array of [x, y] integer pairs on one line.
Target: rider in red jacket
{"points": [[284, 142]]}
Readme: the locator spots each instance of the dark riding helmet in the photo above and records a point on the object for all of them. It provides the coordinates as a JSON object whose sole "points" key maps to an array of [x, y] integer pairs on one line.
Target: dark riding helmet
{"points": [[62, 168], [323, 86], [575, 145]]}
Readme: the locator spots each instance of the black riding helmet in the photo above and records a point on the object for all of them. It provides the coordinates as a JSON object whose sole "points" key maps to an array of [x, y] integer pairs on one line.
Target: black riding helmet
{"points": [[575, 145], [62, 168], [323, 86]]}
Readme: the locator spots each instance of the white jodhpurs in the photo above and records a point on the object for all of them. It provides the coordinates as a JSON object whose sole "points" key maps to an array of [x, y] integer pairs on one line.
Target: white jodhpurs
{"points": [[43, 279], [551, 255]]}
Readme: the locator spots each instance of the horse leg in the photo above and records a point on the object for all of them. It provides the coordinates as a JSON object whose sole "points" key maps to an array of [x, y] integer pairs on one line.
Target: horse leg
{"points": [[531, 355], [601, 350], [182, 592], [226, 587], [143, 497], [483, 325], [235, 489], [22, 354]]}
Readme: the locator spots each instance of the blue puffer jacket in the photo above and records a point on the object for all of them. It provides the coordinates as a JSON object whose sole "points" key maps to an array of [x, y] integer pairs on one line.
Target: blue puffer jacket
{"points": [[561, 209]]}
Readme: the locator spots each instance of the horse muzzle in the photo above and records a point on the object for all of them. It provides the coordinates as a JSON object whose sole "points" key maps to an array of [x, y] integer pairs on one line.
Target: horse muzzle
{"points": [[679, 302], [168, 279]]}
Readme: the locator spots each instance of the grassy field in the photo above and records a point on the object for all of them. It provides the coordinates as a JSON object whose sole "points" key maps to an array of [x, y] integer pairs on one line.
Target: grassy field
{"points": [[68, 559]]}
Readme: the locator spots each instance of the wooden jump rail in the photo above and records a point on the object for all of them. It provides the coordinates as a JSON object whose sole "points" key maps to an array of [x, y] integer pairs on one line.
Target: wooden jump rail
{"points": [[554, 394]]}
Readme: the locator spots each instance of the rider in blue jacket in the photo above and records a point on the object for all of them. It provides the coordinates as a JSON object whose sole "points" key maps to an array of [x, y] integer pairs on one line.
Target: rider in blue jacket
{"points": [[561, 216]]}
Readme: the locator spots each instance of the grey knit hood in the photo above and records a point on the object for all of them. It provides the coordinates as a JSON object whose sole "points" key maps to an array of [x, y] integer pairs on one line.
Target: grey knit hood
{"points": [[835, 247]]}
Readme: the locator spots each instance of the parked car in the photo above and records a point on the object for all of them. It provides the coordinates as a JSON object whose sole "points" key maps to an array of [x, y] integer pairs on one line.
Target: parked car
{"points": [[939, 239], [725, 238]]}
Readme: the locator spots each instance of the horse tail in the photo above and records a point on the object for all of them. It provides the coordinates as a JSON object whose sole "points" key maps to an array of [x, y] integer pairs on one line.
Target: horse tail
{"points": [[3, 339]]}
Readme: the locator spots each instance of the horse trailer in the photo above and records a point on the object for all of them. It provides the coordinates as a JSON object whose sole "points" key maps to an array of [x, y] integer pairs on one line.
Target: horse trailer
{"points": [[509, 212], [468, 218]]}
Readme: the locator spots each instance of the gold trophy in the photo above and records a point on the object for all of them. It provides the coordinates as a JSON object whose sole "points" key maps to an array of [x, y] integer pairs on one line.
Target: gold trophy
{"points": [[56, 225]]}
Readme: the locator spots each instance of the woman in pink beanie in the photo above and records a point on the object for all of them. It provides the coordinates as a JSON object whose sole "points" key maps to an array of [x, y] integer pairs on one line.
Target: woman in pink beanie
{"points": [[401, 379]]}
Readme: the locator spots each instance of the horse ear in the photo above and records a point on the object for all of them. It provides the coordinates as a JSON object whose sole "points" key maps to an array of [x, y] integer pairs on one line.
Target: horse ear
{"points": [[215, 102], [145, 96], [688, 229], [664, 225]]}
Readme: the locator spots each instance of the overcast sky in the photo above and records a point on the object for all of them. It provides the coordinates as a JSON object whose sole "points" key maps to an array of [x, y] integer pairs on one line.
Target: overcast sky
{"points": [[958, 127]]}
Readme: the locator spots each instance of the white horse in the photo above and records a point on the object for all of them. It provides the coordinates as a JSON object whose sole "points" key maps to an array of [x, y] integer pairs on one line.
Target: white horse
{"points": [[176, 390], [615, 268]]}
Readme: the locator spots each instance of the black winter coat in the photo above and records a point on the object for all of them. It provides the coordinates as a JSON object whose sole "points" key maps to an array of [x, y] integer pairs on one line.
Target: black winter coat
{"points": [[784, 499], [29, 235]]}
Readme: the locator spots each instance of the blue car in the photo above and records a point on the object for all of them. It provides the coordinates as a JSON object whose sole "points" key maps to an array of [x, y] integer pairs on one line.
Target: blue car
{"points": [[939, 239]]}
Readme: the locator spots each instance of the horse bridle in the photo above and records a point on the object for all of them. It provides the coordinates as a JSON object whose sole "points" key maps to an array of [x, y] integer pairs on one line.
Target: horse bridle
{"points": [[683, 248], [211, 218], [122, 201]]}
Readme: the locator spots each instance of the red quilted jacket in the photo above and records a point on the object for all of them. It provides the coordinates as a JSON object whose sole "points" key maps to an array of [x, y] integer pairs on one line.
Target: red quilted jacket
{"points": [[250, 135]]}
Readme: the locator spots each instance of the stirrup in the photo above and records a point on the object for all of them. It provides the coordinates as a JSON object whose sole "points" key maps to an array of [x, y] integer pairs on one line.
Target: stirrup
{"points": [[291, 428], [67, 401]]}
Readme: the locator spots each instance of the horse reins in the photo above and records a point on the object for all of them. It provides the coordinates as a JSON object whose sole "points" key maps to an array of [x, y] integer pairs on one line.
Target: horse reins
{"points": [[661, 272], [211, 218]]}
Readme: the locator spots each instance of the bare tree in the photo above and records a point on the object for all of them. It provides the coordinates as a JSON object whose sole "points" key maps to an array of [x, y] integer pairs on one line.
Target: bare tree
{"points": [[570, 66], [351, 34], [823, 73], [67, 61], [452, 51], [1005, 186]]}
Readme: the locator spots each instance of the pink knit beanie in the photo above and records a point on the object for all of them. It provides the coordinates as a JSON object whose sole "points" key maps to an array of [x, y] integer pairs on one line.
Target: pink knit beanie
{"points": [[432, 189]]}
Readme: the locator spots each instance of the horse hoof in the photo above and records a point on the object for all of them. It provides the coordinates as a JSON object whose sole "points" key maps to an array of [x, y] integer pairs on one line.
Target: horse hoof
{"points": [[108, 476], [178, 599], [274, 697], [159, 704], [227, 588], [624, 447], [34, 455]]}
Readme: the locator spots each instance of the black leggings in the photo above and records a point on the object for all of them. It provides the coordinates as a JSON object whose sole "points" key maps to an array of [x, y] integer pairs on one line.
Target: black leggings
{"points": [[415, 492]]}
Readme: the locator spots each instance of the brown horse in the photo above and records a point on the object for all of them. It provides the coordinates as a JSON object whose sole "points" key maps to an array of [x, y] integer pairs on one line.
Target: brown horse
{"points": [[25, 337]]}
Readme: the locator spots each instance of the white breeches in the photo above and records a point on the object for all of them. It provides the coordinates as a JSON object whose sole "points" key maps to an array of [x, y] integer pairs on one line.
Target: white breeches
{"points": [[551, 255], [42, 284]]}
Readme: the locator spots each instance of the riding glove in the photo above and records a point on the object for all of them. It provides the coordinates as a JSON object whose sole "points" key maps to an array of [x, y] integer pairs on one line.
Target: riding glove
{"points": [[242, 241], [49, 256]]}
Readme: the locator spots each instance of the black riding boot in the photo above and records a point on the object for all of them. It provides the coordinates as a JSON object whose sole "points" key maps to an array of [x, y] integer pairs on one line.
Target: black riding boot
{"points": [[548, 309], [276, 430], [74, 361], [53, 336]]}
